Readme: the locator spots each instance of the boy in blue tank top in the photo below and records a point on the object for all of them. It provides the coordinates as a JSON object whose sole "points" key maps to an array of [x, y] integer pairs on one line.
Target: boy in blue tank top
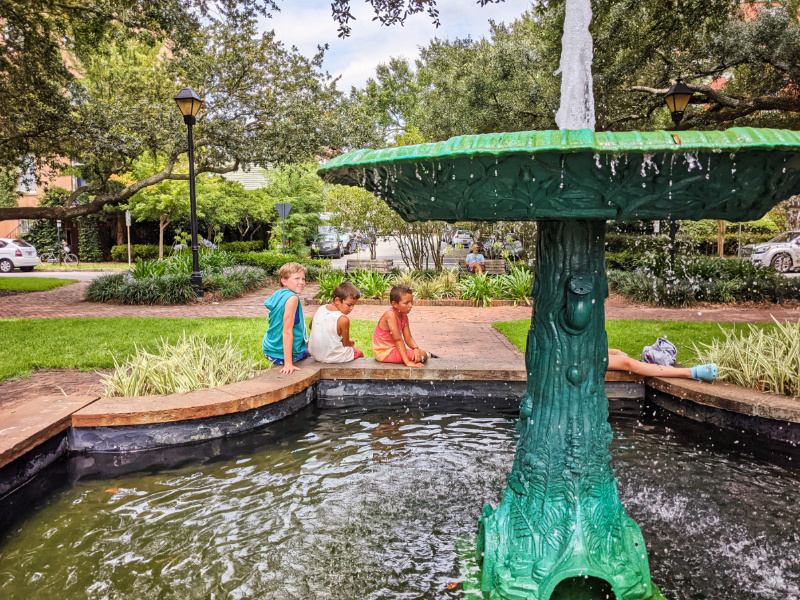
{"points": [[286, 339]]}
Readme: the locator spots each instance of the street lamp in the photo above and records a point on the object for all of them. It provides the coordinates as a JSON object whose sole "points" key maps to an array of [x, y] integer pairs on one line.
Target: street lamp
{"points": [[677, 99], [189, 104]]}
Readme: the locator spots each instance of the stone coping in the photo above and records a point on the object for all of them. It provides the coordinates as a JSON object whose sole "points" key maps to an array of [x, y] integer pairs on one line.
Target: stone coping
{"points": [[732, 398], [35, 422]]}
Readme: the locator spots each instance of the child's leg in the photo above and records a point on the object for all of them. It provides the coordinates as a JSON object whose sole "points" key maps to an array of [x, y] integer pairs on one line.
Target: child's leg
{"points": [[395, 358], [623, 363], [357, 353]]}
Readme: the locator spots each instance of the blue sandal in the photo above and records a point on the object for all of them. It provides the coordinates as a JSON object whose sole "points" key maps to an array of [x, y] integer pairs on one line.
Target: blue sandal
{"points": [[705, 372]]}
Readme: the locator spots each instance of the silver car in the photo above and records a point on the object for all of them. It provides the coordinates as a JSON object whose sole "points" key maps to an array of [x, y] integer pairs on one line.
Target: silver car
{"points": [[17, 254], [781, 252]]}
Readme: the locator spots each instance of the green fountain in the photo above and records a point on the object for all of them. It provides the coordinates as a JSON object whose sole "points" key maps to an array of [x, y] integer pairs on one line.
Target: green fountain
{"points": [[560, 516]]}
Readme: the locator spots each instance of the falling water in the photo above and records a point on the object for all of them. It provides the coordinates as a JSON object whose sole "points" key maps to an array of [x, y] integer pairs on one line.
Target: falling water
{"points": [[577, 94]]}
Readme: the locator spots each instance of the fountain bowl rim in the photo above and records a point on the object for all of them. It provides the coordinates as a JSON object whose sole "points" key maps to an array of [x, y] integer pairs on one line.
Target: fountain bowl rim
{"points": [[572, 141]]}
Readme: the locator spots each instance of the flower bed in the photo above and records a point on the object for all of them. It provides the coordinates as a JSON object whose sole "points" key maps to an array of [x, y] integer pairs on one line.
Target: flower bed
{"points": [[168, 281], [436, 288]]}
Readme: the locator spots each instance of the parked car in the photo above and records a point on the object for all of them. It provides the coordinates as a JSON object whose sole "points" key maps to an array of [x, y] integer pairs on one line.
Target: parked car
{"points": [[348, 242], [327, 244], [17, 254], [781, 252], [463, 237]]}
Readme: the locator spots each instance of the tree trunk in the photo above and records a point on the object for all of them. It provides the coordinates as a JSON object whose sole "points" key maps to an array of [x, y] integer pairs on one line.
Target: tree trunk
{"points": [[560, 516], [721, 238], [120, 229], [162, 225]]}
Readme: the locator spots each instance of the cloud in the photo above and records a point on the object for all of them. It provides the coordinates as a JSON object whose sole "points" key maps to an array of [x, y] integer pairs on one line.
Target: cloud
{"points": [[308, 23]]}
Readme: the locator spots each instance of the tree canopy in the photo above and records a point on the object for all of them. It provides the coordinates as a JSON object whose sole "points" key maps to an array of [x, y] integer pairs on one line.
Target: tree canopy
{"points": [[743, 60]]}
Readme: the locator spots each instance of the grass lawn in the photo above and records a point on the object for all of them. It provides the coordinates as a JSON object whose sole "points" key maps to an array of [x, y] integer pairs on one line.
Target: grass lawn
{"points": [[81, 266], [632, 336], [90, 344], [33, 284]]}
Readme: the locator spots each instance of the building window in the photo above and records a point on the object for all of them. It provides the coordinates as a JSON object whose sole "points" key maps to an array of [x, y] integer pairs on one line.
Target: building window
{"points": [[26, 182]]}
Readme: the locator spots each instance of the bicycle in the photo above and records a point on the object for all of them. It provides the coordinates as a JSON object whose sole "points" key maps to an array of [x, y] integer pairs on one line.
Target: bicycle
{"points": [[61, 255]]}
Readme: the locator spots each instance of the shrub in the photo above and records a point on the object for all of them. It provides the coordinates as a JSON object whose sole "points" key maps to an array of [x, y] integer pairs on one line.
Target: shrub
{"points": [[371, 284], [427, 289], [141, 251], [191, 364], [253, 246], [764, 359], [448, 283], [233, 282], [516, 285], [271, 261], [89, 248], [328, 280], [404, 278], [105, 288], [623, 261], [480, 289]]}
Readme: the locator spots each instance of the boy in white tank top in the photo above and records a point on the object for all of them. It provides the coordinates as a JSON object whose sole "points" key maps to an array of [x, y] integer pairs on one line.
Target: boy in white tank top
{"points": [[330, 328]]}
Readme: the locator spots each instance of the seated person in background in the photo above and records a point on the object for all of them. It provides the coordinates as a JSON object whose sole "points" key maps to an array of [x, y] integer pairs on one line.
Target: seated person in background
{"points": [[392, 332], [475, 260], [330, 329], [619, 361]]}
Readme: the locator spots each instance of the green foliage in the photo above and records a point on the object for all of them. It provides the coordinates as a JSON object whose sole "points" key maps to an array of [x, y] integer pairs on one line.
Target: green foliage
{"points": [[232, 282], [624, 261], [271, 261], [426, 288], [254, 246], [369, 283], [480, 289], [89, 248], [689, 280], [138, 251], [516, 285], [328, 280], [123, 288], [766, 360], [192, 363], [299, 186], [33, 284], [43, 236]]}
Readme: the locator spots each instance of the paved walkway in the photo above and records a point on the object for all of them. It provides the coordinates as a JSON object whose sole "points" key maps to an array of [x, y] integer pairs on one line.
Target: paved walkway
{"points": [[68, 302]]}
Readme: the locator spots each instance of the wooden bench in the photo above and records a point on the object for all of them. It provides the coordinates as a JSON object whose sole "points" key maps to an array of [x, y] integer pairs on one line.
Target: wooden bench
{"points": [[376, 266], [490, 267]]}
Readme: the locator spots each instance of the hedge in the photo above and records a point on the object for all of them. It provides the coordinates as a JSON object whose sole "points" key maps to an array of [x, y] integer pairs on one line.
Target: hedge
{"points": [[254, 246], [143, 251], [639, 244], [272, 261]]}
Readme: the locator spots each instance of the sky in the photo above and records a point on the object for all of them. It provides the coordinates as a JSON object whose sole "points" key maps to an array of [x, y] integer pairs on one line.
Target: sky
{"points": [[308, 23]]}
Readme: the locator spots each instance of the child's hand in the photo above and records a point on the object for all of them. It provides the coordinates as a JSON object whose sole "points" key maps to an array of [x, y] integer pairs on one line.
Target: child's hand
{"points": [[418, 355], [415, 365], [289, 369]]}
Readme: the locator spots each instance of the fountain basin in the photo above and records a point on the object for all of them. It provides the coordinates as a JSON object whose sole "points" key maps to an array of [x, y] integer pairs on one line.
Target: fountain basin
{"points": [[736, 175]]}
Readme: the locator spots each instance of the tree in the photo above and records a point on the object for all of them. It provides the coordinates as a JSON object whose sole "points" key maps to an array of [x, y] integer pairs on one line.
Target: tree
{"points": [[264, 104], [299, 186], [358, 209]]}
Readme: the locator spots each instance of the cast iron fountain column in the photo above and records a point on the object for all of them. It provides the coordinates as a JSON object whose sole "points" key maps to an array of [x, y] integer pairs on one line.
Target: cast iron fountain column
{"points": [[560, 516]]}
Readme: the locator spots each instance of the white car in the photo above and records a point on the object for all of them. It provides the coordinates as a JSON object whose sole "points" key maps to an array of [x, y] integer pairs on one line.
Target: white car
{"points": [[17, 254], [781, 252], [463, 237]]}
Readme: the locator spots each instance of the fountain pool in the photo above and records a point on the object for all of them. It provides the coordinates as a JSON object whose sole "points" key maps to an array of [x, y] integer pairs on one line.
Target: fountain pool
{"points": [[383, 504]]}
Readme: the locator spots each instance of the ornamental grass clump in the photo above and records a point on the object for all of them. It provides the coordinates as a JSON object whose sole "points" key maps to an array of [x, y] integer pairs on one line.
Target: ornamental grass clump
{"points": [[764, 359], [193, 363]]}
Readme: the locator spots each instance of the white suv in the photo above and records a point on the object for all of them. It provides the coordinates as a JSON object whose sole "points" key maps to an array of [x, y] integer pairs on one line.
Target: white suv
{"points": [[17, 254], [463, 237], [781, 252]]}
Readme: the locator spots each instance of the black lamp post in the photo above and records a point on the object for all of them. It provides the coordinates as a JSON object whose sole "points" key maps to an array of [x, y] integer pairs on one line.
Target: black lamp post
{"points": [[677, 99], [189, 103]]}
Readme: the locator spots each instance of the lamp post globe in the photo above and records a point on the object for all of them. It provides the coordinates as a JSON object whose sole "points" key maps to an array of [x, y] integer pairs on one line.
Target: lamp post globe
{"points": [[677, 99], [189, 104]]}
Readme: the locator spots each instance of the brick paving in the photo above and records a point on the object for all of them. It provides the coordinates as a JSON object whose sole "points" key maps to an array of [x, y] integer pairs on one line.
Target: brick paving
{"points": [[68, 302], [451, 332]]}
